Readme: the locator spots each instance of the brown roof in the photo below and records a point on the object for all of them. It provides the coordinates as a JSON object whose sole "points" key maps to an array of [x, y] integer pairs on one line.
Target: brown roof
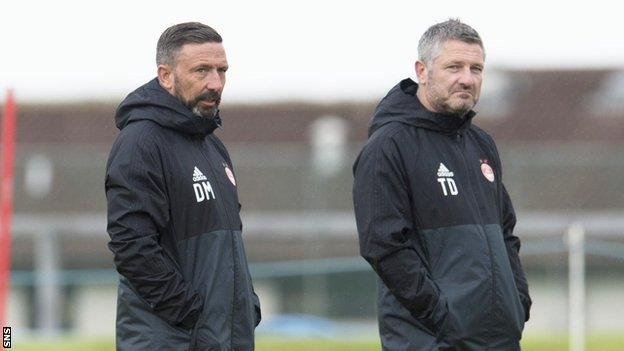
{"points": [[544, 106]]}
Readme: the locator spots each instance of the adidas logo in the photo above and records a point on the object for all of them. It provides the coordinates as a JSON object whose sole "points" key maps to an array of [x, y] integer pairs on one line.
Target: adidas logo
{"points": [[443, 171], [198, 175]]}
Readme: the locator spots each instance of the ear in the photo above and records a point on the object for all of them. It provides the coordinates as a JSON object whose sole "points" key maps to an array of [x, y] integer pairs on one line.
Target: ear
{"points": [[165, 77], [421, 72]]}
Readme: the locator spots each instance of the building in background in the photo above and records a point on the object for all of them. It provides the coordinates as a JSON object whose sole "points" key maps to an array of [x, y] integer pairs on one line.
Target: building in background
{"points": [[561, 138]]}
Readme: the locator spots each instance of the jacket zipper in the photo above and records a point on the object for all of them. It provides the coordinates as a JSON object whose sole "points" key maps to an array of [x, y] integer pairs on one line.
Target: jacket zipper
{"points": [[200, 144], [461, 146]]}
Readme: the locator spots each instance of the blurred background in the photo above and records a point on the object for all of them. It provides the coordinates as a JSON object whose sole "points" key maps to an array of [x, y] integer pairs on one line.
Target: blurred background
{"points": [[304, 79]]}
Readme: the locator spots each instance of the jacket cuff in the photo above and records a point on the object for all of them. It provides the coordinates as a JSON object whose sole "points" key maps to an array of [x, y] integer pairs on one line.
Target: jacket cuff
{"points": [[436, 318], [190, 320], [526, 305], [256, 302], [440, 313]]}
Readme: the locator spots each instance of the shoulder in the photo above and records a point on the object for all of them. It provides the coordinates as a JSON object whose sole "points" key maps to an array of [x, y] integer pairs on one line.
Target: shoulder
{"points": [[139, 140], [480, 132], [483, 136], [143, 134], [389, 135], [385, 146], [220, 146], [143, 131], [215, 139], [488, 144]]}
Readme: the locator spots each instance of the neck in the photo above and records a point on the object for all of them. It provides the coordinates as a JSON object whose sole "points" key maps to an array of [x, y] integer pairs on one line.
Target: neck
{"points": [[421, 96]]}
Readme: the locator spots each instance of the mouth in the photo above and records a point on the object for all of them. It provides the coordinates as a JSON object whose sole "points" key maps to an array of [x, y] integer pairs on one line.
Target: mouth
{"points": [[464, 94], [207, 103]]}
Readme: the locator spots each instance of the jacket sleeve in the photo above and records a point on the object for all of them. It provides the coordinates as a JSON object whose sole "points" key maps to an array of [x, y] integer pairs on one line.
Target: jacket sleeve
{"points": [[387, 235], [512, 244], [138, 210]]}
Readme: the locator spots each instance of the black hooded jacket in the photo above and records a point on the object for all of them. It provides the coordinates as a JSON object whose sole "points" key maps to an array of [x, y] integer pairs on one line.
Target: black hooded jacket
{"points": [[436, 224], [176, 234]]}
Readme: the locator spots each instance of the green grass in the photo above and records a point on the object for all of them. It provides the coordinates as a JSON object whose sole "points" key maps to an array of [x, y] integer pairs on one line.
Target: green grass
{"points": [[598, 342], [607, 342], [313, 345]]}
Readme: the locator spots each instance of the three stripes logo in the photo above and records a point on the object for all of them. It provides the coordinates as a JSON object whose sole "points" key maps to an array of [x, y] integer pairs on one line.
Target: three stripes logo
{"points": [[198, 175]]}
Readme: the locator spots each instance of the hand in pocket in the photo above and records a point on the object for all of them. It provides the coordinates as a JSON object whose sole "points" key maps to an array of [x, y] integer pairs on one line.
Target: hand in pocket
{"points": [[448, 334]]}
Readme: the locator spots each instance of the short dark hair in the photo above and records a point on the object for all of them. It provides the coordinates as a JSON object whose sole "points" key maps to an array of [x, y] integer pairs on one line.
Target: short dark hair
{"points": [[436, 35], [174, 37]]}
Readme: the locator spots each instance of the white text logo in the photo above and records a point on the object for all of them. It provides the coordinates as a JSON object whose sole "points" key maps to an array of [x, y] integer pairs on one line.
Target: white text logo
{"points": [[445, 178], [203, 190]]}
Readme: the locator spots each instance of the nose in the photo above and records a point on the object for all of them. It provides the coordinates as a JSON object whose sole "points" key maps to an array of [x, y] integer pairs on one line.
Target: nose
{"points": [[214, 80], [466, 77]]}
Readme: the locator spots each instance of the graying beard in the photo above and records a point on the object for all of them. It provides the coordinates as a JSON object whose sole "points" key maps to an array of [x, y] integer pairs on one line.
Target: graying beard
{"points": [[457, 113], [196, 112], [445, 108]]}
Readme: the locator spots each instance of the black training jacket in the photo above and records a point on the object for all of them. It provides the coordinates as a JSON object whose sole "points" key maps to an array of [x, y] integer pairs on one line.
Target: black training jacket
{"points": [[436, 224], [173, 220]]}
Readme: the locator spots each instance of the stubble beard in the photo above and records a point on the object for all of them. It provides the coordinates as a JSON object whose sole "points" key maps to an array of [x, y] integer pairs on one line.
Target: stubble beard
{"points": [[444, 104]]}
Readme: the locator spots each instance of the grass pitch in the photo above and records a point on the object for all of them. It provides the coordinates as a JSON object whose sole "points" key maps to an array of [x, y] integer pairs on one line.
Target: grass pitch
{"points": [[610, 342]]}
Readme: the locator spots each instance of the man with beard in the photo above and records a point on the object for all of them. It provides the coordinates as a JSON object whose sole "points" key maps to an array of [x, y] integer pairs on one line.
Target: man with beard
{"points": [[173, 211], [434, 219]]}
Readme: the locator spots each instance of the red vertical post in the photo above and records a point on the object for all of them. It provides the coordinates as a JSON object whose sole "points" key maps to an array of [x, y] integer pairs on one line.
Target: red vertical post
{"points": [[6, 198]]}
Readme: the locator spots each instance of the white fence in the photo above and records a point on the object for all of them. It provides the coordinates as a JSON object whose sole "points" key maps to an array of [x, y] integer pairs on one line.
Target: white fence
{"points": [[597, 234]]}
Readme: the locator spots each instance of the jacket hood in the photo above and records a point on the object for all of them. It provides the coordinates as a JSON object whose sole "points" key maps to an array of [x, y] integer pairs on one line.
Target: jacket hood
{"points": [[402, 105], [152, 102]]}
